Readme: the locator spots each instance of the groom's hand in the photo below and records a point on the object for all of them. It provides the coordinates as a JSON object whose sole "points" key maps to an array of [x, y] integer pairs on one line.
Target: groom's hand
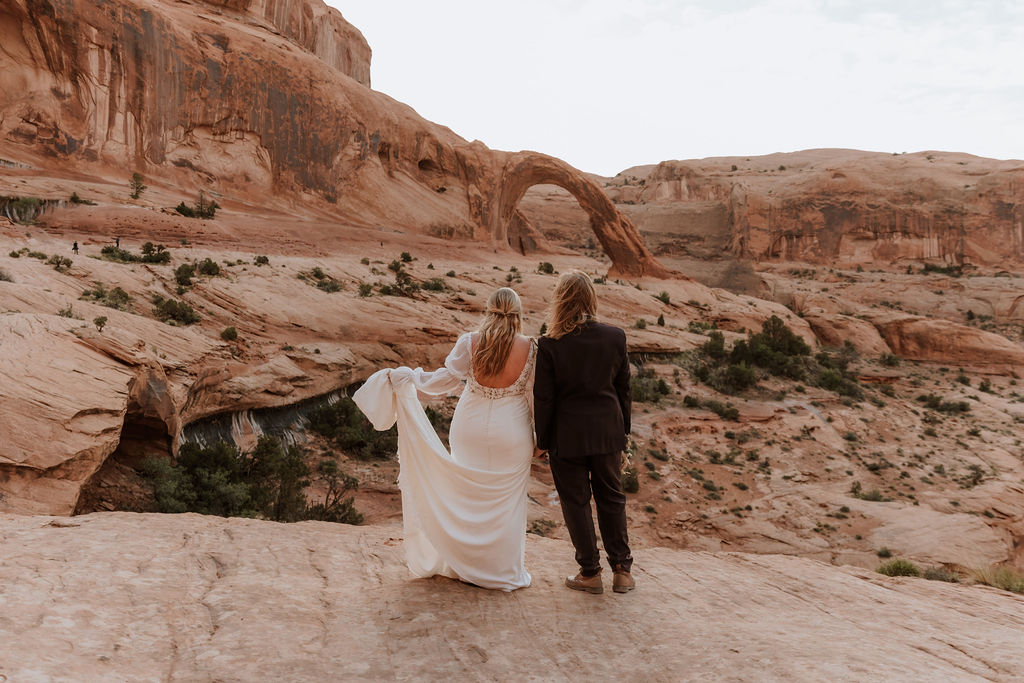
{"points": [[538, 453]]}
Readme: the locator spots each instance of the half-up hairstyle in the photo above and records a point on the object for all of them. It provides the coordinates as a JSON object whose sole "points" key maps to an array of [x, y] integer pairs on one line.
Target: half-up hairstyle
{"points": [[574, 303], [503, 320]]}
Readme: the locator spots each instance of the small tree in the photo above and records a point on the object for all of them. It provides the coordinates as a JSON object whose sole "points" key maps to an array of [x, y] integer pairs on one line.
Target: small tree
{"points": [[229, 334], [136, 183], [99, 322]]}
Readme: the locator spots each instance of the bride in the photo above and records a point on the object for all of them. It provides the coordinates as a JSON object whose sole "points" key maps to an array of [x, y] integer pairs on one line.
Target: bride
{"points": [[464, 512]]}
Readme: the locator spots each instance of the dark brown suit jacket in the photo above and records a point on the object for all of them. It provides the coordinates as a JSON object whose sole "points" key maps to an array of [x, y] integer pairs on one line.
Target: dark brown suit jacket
{"points": [[582, 396]]}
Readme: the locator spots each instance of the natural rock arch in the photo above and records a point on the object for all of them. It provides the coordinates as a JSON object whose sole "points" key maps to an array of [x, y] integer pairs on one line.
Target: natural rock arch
{"points": [[617, 234]]}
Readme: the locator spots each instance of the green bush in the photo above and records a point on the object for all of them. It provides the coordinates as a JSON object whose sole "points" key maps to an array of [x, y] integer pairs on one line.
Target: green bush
{"points": [[4, 276], [899, 567], [100, 322], [941, 574], [184, 273], [640, 324], [345, 425], [208, 267], [661, 320], [450, 273], [174, 311], [934, 402], [59, 263], [329, 286], [435, 284], [229, 334], [406, 257], [646, 388], [15, 254], [365, 289], [269, 482], [545, 268], [261, 261], [201, 209], [663, 298]]}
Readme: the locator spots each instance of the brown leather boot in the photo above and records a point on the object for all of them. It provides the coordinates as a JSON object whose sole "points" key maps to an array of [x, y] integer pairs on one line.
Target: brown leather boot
{"points": [[622, 581], [590, 584]]}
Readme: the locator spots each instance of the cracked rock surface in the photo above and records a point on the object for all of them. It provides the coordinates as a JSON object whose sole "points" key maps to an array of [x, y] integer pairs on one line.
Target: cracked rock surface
{"points": [[127, 597]]}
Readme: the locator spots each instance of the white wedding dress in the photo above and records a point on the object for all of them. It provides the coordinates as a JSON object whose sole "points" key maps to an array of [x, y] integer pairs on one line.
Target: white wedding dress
{"points": [[464, 512]]}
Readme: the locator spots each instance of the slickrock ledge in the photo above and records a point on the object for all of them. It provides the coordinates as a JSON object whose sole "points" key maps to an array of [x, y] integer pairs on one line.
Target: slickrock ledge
{"points": [[120, 596]]}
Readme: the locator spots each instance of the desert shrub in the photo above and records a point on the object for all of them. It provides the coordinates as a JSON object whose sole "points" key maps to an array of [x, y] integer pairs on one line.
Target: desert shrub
{"points": [[137, 185], [75, 199], [899, 567], [935, 402], [329, 285], [726, 411], [630, 481], [661, 320], [67, 312], [14, 254], [365, 289], [406, 257], [261, 261], [1000, 576], [59, 263], [450, 273], [404, 285], [952, 271], [155, 254], [890, 360], [346, 426], [174, 311], [545, 268], [663, 297], [874, 495], [229, 334], [435, 284], [268, 481], [36, 254], [318, 273], [208, 267], [100, 322], [940, 574], [336, 507], [884, 553], [640, 324], [691, 401], [201, 209], [647, 388], [150, 254], [4, 276], [714, 347], [184, 273]]}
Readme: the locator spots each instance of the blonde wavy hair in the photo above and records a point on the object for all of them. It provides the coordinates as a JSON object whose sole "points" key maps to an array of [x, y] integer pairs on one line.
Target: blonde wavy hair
{"points": [[503, 321], [573, 304]]}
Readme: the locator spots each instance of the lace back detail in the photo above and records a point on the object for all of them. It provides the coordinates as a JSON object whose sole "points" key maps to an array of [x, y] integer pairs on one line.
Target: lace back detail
{"points": [[514, 389]]}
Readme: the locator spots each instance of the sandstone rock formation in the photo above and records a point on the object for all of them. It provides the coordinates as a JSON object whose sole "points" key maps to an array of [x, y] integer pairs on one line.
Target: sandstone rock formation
{"points": [[830, 205], [265, 101], [136, 597]]}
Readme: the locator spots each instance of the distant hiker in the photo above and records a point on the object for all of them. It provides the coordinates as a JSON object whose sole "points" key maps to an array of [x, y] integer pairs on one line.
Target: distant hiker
{"points": [[74, 248], [117, 242]]}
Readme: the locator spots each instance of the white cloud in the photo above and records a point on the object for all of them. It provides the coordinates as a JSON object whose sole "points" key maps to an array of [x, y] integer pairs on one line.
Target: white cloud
{"points": [[606, 85]]}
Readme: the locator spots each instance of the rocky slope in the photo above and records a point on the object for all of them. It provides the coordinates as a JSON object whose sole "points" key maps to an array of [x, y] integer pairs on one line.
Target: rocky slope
{"points": [[194, 598], [257, 102]]}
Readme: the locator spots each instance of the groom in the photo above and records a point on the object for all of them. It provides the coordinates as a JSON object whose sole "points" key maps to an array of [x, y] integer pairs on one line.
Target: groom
{"points": [[582, 408]]}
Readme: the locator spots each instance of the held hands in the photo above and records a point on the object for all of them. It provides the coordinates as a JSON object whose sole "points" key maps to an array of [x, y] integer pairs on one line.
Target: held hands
{"points": [[538, 453]]}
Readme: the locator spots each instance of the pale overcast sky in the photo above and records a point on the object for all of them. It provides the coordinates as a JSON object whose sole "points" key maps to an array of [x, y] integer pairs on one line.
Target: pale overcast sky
{"points": [[606, 85]]}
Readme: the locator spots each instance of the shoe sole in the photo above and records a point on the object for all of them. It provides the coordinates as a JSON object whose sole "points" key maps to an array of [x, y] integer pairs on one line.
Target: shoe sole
{"points": [[585, 589], [623, 589]]}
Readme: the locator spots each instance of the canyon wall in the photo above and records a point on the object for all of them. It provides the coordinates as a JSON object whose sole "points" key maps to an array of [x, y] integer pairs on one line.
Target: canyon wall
{"points": [[833, 205], [257, 101]]}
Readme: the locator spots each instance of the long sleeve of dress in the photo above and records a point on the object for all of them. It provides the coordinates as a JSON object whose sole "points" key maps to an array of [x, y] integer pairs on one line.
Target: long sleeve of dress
{"points": [[448, 378]]}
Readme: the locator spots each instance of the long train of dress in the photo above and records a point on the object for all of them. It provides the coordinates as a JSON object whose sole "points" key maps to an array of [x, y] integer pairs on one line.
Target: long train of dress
{"points": [[463, 512]]}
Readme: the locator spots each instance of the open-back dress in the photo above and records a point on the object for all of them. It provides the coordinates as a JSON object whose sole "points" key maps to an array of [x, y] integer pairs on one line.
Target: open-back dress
{"points": [[463, 512]]}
